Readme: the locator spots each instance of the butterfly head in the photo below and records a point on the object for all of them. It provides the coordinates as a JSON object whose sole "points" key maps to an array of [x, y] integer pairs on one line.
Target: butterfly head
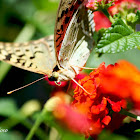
{"points": [[54, 76], [61, 75]]}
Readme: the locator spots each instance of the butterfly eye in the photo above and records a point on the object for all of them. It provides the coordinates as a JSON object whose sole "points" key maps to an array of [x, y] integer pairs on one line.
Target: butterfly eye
{"points": [[54, 76]]}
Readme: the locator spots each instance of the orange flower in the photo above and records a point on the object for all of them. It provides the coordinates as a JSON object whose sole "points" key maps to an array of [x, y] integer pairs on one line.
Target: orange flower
{"points": [[95, 105], [73, 120], [122, 80], [109, 89]]}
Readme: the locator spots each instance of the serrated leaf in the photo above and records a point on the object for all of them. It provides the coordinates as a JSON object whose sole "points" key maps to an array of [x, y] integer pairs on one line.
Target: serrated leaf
{"points": [[118, 38], [122, 44]]}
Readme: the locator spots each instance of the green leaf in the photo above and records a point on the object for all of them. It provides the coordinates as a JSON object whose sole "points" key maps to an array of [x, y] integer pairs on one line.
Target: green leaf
{"points": [[46, 5], [71, 136], [137, 130], [118, 38], [11, 136], [7, 107], [106, 135]]}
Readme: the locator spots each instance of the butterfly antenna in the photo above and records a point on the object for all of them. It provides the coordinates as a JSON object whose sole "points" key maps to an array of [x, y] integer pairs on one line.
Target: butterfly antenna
{"points": [[80, 85], [26, 85]]}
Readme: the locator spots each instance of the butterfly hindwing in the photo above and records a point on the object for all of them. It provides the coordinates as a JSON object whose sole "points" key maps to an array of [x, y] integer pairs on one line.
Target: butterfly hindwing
{"points": [[66, 10], [36, 56], [78, 41]]}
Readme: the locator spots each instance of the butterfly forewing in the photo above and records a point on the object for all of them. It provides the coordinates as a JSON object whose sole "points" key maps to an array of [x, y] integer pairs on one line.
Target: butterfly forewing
{"points": [[78, 40], [36, 56], [66, 10], [72, 39]]}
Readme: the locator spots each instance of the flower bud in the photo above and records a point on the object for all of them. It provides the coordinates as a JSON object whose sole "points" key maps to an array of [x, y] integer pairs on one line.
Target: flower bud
{"points": [[131, 17], [30, 107], [53, 102]]}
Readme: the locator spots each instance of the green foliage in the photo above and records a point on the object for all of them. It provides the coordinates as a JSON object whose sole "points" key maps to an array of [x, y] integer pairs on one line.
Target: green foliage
{"points": [[132, 19], [137, 19], [106, 135], [11, 136], [7, 107], [71, 136], [40, 16], [118, 38], [137, 130], [46, 4]]}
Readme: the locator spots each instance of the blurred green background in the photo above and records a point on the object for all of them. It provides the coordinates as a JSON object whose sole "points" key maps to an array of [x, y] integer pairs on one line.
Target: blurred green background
{"points": [[22, 20]]}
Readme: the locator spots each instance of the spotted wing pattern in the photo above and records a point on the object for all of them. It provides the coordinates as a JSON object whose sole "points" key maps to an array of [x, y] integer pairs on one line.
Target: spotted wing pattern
{"points": [[78, 41], [36, 56], [66, 10]]}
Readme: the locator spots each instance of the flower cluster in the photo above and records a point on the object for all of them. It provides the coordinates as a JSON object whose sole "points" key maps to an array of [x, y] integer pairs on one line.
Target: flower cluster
{"points": [[96, 4], [126, 8], [109, 89], [125, 82]]}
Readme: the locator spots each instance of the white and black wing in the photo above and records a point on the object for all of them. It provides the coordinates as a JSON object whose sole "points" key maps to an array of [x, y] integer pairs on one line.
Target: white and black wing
{"points": [[36, 56], [78, 41]]}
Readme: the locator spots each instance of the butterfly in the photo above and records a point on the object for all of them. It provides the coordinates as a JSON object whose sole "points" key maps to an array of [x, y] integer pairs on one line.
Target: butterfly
{"points": [[61, 56]]}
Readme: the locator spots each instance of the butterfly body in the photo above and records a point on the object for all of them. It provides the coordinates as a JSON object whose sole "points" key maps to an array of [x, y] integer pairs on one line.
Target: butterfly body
{"points": [[72, 46]]}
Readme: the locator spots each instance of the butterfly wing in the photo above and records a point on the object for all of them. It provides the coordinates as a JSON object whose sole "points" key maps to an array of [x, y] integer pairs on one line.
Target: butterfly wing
{"points": [[66, 10], [78, 41], [35, 56]]}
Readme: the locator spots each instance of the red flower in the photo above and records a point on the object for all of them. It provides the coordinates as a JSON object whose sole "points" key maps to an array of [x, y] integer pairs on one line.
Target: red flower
{"points": [[96, 105], [123, 81], [73, 120], [96, 4], [125, 7], [101, 21], [93, 4], [108, 89]]}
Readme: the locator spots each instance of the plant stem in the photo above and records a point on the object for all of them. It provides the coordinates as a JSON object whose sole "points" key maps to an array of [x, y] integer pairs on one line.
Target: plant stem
{"points": [[39, 120], [25, 35], [108, 15], [124, 112], [21, 118], [40, 133]]}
